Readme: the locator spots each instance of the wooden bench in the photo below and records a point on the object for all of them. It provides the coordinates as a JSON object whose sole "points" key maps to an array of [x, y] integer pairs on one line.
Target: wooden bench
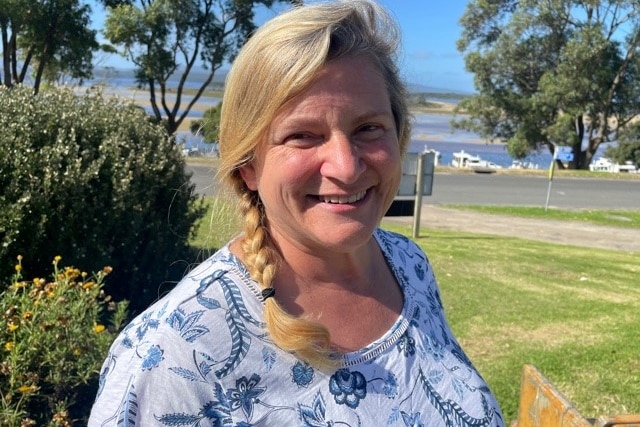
{"points": [[542, 405]]}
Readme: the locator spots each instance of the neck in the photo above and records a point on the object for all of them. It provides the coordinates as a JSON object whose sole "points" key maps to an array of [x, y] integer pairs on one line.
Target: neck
{"points": [[353, 269]]}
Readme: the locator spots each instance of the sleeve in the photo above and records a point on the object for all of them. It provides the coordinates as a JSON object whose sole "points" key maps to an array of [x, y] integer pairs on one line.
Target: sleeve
{"points": [[152, 376]]}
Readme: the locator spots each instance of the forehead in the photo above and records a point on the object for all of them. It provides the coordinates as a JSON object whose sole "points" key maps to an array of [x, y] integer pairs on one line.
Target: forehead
{"points": [[350, 81]]}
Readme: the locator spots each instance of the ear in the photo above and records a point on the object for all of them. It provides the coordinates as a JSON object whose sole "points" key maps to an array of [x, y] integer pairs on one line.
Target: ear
{"points": [[249, 176]]}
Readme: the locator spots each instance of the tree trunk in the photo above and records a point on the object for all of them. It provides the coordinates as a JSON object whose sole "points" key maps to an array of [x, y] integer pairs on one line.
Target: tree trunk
{"points": [[6, 63], [19, 78], [577, 145], [13, 53]]}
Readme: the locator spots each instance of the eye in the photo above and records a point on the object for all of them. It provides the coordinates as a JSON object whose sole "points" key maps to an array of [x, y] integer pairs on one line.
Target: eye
{"points": [[302, 139], [296, 136], [370, 131]]}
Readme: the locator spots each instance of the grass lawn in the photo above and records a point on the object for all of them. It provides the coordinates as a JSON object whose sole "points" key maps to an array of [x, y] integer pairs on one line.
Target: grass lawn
{"points": [[613, 218], [572, 312]]}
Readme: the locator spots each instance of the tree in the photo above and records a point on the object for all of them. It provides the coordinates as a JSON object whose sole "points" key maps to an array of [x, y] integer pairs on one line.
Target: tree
{"points": [[50, 38], [553, 72], [628, 147], [163, 38], [209, 125]]}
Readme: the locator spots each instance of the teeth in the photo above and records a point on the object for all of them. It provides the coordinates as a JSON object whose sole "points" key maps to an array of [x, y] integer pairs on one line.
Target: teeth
{"points": [[343, 199]]}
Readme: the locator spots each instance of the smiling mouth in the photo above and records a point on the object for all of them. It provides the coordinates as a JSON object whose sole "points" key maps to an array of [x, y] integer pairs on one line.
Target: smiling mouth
{"points": [[343, 199]]}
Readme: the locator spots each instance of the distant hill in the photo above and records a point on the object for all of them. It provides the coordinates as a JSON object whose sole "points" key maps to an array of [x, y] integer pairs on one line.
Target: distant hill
{"points": [[196, 75], [125, 76], [418, 88]]}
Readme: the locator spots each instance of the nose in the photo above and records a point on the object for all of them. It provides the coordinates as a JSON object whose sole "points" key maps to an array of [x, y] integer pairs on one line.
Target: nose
{"points": [[341, 159]]}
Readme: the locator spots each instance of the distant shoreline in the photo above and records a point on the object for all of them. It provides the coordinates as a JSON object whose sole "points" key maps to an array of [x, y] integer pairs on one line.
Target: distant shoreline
{"points": [[140, 97]]}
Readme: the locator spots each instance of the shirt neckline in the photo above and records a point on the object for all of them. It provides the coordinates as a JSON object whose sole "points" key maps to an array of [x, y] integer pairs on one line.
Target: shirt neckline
{"points": [[378, 346]]}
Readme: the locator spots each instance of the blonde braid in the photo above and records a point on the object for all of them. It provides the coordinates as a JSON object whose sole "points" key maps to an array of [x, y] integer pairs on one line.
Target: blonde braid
{"points": [[306, 339], [279, 62]]}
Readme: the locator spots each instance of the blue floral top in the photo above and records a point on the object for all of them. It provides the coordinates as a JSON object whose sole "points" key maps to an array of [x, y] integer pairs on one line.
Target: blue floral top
{"points": [[201, 357]]}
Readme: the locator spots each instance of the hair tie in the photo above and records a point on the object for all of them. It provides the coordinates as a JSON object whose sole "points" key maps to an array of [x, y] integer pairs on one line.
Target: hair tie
{"points": [[267, 293]]}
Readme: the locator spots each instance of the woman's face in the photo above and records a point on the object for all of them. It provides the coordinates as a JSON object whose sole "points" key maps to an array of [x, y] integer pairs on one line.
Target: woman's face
{"points": [[330, 165]]}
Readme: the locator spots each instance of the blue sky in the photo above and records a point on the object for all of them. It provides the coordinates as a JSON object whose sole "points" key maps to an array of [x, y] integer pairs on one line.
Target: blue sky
{"points": [[430, 30]]}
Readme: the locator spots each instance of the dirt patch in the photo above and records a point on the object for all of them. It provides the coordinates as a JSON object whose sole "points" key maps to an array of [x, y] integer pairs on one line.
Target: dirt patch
{"points": [[574, 233]]}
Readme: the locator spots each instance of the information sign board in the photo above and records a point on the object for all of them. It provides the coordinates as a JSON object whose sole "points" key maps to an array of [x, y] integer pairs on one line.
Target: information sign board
{"points": [[564, 150], [565, 157]]}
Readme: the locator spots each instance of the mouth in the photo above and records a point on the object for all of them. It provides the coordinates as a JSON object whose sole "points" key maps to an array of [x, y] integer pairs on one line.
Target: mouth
{"points": [[339, 200]]}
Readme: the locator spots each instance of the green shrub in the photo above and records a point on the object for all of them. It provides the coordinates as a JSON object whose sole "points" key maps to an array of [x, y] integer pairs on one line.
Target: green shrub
{"points": [[96, 181], [54, 336], [209, 126]]}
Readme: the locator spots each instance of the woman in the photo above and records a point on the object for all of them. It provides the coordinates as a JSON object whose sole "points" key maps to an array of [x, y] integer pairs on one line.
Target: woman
{"points": [[313, 316]]}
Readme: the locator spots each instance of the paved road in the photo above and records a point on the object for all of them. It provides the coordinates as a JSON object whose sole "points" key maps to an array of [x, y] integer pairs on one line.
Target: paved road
{"points": [[515, 190], [496, 189]]}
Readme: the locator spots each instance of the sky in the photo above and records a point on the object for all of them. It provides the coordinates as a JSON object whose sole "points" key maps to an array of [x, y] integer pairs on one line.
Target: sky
{"points": [[430, 29]]}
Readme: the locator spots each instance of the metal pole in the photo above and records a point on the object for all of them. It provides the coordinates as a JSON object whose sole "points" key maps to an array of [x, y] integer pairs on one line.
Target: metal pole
{"points": [[417, 208], [552, 168]]}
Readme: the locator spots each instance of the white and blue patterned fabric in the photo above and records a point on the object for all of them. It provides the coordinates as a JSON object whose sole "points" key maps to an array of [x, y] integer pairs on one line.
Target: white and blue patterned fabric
{"points": [[201, 357]]}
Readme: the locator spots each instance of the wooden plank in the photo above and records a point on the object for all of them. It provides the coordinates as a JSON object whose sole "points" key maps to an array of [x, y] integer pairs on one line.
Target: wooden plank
{"points": [[542, 405], [627, 420]]}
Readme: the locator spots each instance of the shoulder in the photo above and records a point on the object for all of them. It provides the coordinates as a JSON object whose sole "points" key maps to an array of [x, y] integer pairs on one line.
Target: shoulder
{"points": [[397, 245], [217, 285], [188, 337]]}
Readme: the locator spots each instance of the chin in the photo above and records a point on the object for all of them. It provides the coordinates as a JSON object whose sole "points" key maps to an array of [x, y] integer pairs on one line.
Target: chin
{"points": [[352, 236]]}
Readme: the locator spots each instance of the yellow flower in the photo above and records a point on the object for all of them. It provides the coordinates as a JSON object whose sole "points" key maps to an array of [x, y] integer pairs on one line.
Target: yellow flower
{"points": [[18, 268], [88, 285], [13, 326], [76, 352], [27, 389], [56, 259], [71, 273], [98, 329], [9, 345], [19, 285], [19, 257]]}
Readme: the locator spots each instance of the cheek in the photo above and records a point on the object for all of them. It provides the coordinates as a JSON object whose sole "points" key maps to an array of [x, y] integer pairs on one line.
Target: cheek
{"points": [[291, 166], [390, 169], [281, 177], [390, 163]]}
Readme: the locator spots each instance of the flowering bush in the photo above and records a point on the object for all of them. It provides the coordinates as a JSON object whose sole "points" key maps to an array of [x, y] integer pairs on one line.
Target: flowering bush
{"points": [[54, 336], [93, 179]]}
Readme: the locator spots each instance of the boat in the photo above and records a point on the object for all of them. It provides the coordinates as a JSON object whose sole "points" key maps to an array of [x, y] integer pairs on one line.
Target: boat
{"points": [[462, 159], [519, 164], [604, 164]]}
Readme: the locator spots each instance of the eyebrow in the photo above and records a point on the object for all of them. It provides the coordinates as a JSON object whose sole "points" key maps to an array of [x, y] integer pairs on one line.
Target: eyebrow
{"points": [[310, 119], [374, 113]]}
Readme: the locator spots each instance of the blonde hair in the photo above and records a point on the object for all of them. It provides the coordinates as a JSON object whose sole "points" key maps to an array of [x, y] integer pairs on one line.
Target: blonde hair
{"points": [[277, 63]]}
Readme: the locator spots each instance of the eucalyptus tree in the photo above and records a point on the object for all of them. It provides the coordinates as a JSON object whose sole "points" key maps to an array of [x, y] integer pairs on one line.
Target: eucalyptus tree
{"points": [[45, 39], [628, 147], [165, 38], [209, 126], [551, 72]]}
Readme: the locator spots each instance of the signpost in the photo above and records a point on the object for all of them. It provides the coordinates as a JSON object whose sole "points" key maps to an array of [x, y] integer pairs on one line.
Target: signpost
{"points": [[417, 181], [564, 154]]}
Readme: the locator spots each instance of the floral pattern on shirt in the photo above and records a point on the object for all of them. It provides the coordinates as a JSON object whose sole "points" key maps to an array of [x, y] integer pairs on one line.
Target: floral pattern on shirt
{"points": [[201, 356]]}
